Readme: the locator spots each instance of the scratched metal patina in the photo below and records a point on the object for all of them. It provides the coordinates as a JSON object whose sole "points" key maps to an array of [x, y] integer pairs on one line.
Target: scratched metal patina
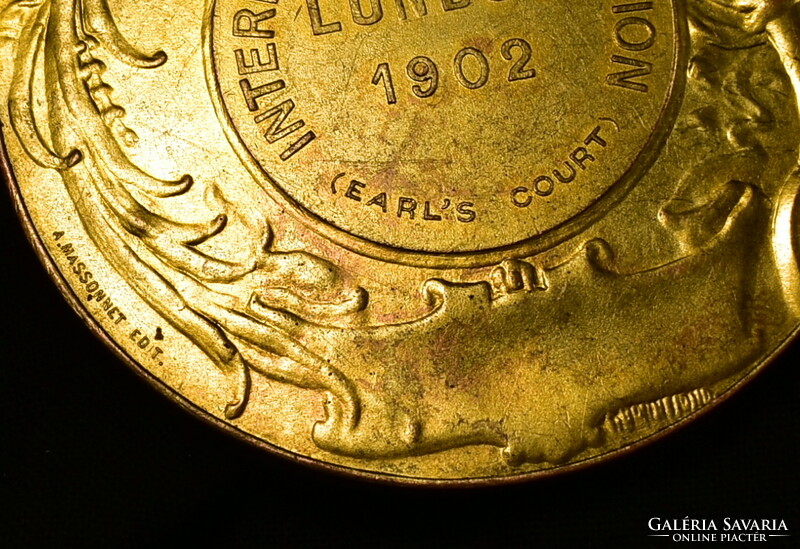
{"points": [[418, 240]]}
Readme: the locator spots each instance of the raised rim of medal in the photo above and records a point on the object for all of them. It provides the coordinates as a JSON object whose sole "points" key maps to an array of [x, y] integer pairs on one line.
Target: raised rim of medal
{"points": [[528, 247]]}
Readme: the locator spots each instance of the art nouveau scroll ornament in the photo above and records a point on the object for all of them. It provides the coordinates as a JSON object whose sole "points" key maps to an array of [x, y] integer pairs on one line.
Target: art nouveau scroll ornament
{"points": [[545, 358]]}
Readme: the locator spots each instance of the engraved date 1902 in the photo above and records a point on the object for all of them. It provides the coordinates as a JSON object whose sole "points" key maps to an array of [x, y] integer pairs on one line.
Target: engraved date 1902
{"points": [[471, 68]]}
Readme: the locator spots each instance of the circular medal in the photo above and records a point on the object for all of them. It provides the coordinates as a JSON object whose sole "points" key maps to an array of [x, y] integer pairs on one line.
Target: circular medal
{"points": [[443, 241]]}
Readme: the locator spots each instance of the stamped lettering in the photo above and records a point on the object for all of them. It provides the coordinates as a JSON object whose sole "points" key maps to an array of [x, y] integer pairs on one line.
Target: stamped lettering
{"points": [[102, 303], [374, 118]]}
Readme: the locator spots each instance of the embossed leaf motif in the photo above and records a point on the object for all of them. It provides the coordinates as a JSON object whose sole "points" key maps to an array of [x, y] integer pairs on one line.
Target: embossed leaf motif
{"points": [[741, 24], [86, 139], [736, 114], [268, 310], [750, 16]]}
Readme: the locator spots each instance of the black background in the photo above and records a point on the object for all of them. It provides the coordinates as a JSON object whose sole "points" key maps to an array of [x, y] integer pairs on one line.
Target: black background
{"points": [[94, 456]]}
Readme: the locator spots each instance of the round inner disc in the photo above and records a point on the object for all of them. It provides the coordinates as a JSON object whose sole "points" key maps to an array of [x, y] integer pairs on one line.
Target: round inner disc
{"points": [[446, 128]]}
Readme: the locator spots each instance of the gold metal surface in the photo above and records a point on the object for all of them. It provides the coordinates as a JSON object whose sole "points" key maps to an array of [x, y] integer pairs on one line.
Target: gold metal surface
{"points": [[452, 240]]}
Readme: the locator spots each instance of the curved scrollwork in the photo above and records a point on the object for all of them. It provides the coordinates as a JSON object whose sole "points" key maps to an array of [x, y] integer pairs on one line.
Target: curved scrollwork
{"points": [[486, 379], [732, 24], [85, 139]]}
